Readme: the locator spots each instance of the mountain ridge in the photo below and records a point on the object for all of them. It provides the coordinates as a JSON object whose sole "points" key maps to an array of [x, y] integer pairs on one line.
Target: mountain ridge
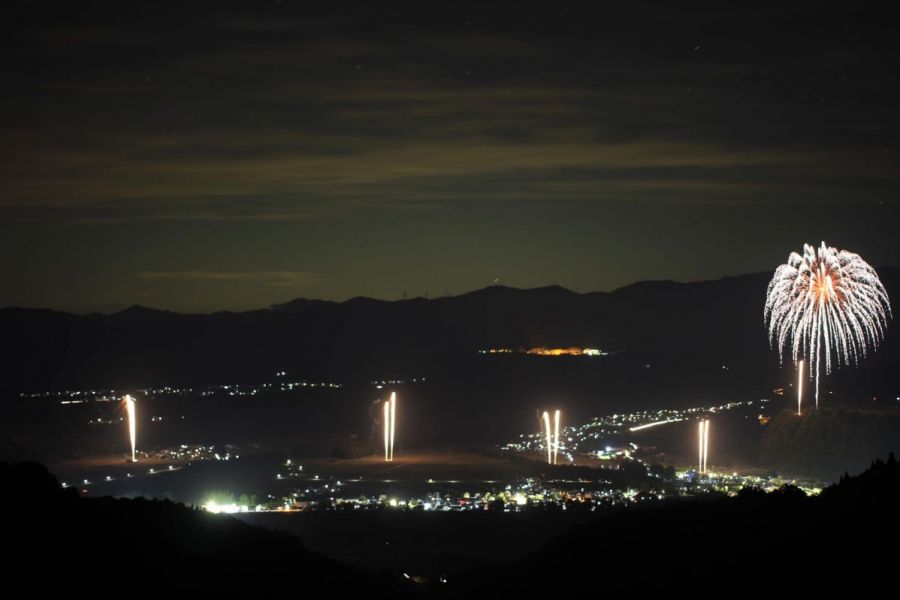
{"points": [[136, 310], [682, 324], [140, 309]]}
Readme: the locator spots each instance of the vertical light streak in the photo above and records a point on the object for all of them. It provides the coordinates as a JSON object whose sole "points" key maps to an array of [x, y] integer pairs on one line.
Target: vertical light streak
{"points": [[705, 444], [556, 437], [818, 360], [799, 386], [702, 445], [387, 429], [546, 419], [132, 425], [393, 420]]}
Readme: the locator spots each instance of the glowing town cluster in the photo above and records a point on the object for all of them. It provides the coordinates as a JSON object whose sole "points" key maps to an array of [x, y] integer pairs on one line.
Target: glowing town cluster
{"points": [[591, 438]]}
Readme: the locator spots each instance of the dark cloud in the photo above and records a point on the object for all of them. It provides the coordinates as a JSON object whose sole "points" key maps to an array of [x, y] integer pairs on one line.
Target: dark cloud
{"points": [[274, 278], [282, 138]]}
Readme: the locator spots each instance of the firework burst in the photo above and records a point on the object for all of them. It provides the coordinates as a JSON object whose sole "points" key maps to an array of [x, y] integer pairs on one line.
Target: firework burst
{"points": [[826, 304]]}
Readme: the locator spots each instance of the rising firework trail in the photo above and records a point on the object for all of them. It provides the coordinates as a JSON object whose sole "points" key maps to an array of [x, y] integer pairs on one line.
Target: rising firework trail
{"points": [[826, 304], [799, 386], [700, 447], [545, 419], [387, 429], [132, 424], [551, 436], [702, 444], [555, 436], [390, 421], [705, 445], [393, 421]]}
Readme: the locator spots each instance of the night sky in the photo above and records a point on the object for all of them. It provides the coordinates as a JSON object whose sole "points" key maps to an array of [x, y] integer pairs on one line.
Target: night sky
{"points": [[230, 156]]}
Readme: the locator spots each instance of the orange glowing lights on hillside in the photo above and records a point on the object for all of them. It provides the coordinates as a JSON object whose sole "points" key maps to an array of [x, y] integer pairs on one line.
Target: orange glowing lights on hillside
{"points": [[541, 351], [570, 351], [544, 351]]}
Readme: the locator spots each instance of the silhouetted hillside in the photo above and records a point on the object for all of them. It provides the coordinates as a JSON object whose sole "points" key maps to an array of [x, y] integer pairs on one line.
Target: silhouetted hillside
{"points": [[105, 547], [754, 544], [705, 323]]}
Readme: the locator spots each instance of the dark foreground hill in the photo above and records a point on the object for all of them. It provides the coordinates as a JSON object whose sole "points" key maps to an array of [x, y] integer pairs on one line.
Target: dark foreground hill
{"points": [[113, 548], [754, 544]]}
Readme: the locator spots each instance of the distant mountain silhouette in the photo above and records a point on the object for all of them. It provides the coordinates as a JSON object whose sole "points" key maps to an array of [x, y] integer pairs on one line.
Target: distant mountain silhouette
{"points": [[138, 313], [682, 323]]}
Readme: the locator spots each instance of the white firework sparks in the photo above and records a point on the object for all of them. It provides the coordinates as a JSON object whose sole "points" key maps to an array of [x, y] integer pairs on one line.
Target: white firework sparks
{"points": [[826, 304]]}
